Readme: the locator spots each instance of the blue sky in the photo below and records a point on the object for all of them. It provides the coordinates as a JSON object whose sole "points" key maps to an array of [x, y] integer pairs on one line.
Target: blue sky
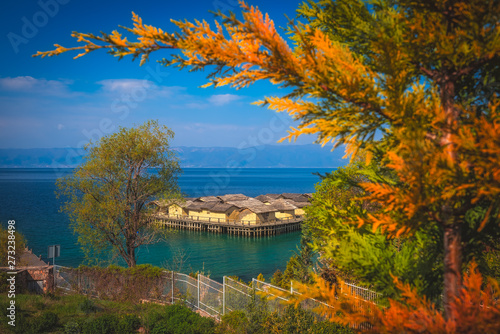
{"points": [[62, 102]]}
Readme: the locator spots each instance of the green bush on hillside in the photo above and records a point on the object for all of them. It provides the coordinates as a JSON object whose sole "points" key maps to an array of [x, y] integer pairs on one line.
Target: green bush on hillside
{"points": [[46, 322], [87, 306], [129, 323], [291, 321], [72, 327], [235, 322], [178, 319], [105, 324]]}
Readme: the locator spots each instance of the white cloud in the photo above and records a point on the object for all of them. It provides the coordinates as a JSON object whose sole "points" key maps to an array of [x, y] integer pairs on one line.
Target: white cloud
{"points": [[125, 85], [223, 99], [29, 84], [60, 126], [195, 105], [141, 89]]}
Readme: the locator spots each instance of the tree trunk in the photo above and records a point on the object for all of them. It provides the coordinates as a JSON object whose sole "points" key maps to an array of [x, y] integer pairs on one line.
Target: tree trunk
{"points": [[130, 256], [452, 238], [452, 269]]}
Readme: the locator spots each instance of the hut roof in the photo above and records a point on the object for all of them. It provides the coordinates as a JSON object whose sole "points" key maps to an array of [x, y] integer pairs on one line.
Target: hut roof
{"points": [[233, 197], [283, 205], [214, 206], [295, 197], [197, 205], [167, 202], [298, 204], [208, 199], [264, 198], [253, 205], [273, 196], [221, 207]]}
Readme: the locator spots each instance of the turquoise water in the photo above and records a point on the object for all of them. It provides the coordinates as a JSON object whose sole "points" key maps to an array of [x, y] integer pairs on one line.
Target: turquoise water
{"points": [[28, 197]]}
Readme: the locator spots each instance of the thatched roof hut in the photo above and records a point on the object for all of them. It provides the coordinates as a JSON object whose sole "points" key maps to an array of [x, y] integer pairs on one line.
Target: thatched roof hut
{"points": [[295, 197], [207, 199], [253, 205], [283, 205], [265, 198], [273, 196], [214, 206], [233, 197]]}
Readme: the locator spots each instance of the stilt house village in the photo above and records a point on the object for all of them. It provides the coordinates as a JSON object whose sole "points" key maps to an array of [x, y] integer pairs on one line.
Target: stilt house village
{"points": [[235, 213]]}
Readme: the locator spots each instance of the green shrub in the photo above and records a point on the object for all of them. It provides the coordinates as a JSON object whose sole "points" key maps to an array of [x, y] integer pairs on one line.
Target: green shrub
{"points": [[87, 306], [39, 305], [23, 324], [3, 308], [293, 321], [234, 323], [72, 327], [110, 323], [257, 312], [4, 284], [177, 310], [326, 327], [151, 320], [45, 322], [105, 324], [161, 327], [178, 319], [129, 323], [296, 320]]}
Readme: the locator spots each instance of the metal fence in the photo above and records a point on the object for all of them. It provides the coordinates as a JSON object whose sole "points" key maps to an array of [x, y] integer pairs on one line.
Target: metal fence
{"points": [[206, 295], [360, 292], [274, 301], [210, 296], [237, 295]]}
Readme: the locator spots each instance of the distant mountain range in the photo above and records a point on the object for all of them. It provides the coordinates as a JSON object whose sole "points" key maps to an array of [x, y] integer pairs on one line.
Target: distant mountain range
{"points": [[266, 156]]}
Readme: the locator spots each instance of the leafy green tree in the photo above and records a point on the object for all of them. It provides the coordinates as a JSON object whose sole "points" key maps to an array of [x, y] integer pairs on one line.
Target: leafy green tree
{"points": [[360, 254], [300, 265], [492, 258], [109, 196], [14, 249]]}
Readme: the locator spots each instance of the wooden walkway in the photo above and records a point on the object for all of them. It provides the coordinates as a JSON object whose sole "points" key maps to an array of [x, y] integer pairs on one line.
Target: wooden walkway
{"points": [[217, 225]]}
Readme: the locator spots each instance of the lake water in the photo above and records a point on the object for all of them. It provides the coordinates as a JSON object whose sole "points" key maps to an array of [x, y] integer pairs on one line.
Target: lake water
{"points": [[28, 197]]}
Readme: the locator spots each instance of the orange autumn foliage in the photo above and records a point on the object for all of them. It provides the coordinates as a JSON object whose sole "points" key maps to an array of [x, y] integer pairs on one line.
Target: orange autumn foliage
{"points": [[429, 178], [477, 307]]}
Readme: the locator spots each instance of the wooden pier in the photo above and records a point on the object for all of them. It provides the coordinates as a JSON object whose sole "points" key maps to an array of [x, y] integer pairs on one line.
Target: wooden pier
{"points": [[244, 228]]}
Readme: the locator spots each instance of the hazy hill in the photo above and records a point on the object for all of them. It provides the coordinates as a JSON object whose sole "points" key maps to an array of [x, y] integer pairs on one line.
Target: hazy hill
{"points": [[269, 156]]}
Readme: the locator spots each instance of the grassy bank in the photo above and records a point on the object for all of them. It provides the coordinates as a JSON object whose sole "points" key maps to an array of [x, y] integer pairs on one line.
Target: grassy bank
{"points": [[74, 314]]}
